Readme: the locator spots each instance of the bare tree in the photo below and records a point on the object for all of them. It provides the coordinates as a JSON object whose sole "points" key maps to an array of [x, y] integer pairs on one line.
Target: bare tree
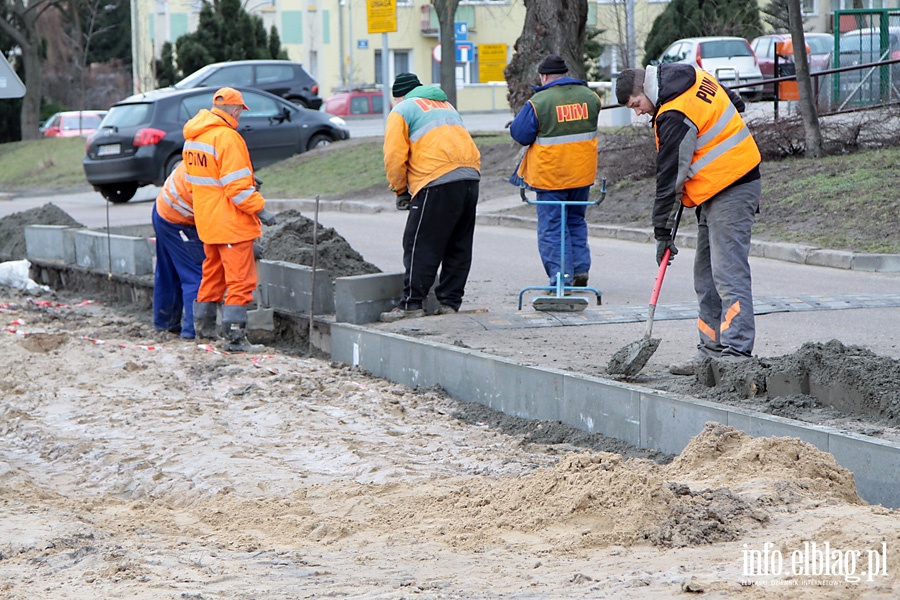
{"points": [[18, 23], [446, 12], [814, 145], [83, 28], [551, 27]]}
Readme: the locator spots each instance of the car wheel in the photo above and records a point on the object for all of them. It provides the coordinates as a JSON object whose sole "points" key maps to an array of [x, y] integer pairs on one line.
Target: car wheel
{"points": [[299, 102], [320, 140], [172, 164], [118, 193]]}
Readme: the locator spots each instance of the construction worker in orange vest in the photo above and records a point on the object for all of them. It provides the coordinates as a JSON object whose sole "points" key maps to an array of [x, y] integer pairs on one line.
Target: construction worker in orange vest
{"points": [[228, 210], [707, 159]]}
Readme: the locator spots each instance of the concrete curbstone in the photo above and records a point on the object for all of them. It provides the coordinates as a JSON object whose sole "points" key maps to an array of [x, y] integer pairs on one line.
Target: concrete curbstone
{"points": [[47, 242], [130, 255], [286, 286], [362, 298], [836, 259]]}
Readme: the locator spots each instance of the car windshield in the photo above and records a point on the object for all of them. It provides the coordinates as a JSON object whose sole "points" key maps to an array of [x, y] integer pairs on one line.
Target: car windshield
{"points": [[820, 45], [192, 79], [724, 49], [128, 115]]}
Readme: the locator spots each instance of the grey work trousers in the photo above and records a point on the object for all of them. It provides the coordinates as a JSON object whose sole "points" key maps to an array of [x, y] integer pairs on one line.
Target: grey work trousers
{"points": [[722, 271]]}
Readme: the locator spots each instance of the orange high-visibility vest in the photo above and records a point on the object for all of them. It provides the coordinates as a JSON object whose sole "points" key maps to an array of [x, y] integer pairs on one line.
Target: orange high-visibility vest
{"points": [[725, 152]]}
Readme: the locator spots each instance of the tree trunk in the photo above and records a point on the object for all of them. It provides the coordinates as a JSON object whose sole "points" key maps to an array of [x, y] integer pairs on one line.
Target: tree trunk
{"points": [[808, 112], [551, 27], [446, 12]]}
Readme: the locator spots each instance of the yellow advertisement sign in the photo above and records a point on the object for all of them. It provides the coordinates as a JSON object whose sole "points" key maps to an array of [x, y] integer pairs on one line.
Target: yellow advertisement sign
{"points": [[491, 62], [381, 15]]}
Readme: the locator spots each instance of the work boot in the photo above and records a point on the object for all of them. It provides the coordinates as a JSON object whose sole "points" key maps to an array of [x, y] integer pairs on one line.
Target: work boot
{"points": [[689, 366], [205, 320], [446, 309], [398, 313], [234, 324], [580, 280]]}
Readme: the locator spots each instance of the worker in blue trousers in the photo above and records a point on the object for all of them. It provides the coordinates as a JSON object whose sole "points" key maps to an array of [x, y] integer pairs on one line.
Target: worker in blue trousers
{"points": [[179, 257], [559, 127]]}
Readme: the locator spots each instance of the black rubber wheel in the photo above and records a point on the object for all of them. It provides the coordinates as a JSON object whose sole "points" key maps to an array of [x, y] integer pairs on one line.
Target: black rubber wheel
{"points": [[299, 102], [119, 192], [172, 164], [319, 140]]}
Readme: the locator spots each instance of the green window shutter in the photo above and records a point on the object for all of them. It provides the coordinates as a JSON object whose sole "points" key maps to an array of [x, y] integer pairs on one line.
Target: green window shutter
{"points": [[292, 27], [178, 25]]}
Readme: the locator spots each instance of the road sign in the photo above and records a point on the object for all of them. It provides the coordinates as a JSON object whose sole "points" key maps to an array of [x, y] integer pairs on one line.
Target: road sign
{"points": [[491, 62], [460, 31], [465, 52], [381, 15], [436, 53], [10, 84]]}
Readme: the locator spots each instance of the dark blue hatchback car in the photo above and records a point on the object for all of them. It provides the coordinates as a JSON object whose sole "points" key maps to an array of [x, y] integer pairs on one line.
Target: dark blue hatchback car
{"points": [[139, 141]]}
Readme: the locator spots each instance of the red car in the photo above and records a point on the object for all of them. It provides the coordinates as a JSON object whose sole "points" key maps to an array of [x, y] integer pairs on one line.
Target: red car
{"points": [[73, 123], [360, 101], [821, 46]]}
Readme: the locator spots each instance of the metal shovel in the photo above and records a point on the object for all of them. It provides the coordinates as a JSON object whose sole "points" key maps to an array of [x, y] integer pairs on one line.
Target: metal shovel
{"points": [[629, 360]]}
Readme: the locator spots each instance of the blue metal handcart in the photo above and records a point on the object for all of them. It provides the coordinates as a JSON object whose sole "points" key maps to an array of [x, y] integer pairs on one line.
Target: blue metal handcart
{"points": [[560, 301]]}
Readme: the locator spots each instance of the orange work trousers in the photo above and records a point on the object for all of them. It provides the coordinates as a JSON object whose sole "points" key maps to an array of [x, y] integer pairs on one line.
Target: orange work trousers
{"points": [[228, 267]]}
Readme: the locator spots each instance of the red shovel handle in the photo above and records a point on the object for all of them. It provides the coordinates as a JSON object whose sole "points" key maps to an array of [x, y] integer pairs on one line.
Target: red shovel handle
{"points": [[659, 277]]}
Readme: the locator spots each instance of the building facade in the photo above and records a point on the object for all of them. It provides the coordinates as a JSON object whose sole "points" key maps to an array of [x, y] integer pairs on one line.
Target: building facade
{"points": [[332, 39]]}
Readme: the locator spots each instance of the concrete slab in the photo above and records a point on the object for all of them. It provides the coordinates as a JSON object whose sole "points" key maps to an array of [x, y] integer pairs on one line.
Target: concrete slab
{"points": [[47, 242], [130, 255]]}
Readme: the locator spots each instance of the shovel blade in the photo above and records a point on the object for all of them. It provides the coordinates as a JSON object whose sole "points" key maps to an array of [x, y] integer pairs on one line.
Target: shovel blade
{"points": [[630, 359]]}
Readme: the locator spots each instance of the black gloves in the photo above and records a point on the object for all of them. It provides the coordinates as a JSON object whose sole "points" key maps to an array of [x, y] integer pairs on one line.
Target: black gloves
{"points": [[267, 217], [662, 243], [257, 182], [257, 251], [403, 201]]}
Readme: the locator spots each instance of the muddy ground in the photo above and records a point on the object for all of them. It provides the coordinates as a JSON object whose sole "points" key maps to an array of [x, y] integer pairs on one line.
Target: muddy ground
{"points": [[135, 464]]}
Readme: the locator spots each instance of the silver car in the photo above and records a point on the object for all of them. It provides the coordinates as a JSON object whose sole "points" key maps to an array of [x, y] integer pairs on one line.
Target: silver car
{"points": [[729, 59]]}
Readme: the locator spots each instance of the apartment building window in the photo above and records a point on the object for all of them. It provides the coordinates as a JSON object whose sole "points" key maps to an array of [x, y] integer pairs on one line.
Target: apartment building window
{"points": [[399, 61], [809, 8]]}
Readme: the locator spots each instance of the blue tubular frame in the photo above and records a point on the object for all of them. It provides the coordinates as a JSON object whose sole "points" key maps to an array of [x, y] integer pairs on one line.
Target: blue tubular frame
{"points": [[560, 288]]}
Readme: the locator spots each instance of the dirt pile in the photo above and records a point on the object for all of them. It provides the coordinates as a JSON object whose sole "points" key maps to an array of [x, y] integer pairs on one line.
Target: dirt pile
{"points": [[291, 240], [850, 380], [12, 228]]}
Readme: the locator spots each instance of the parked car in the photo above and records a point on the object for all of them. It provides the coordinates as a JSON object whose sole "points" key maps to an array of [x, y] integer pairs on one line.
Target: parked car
{"points": [[72, 123], [365, 100], [139, 142], [729, 59], [862, 46], [280, 77], [821, 47]]}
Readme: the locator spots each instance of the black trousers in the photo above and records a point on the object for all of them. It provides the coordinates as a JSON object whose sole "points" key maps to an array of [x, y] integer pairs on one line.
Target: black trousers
{"points": [[439, 232]]}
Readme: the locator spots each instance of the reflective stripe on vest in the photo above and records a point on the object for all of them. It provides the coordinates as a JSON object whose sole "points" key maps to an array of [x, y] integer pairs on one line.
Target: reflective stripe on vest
{"points": [[725, 150]]}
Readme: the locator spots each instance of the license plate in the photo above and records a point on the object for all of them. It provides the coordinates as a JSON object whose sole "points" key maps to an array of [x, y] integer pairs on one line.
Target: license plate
{"points": [[109, 150]]}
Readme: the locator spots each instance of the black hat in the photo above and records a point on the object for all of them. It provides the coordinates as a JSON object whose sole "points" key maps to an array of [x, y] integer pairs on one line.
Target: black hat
{"points": [[553, 64], [404, 84]]}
